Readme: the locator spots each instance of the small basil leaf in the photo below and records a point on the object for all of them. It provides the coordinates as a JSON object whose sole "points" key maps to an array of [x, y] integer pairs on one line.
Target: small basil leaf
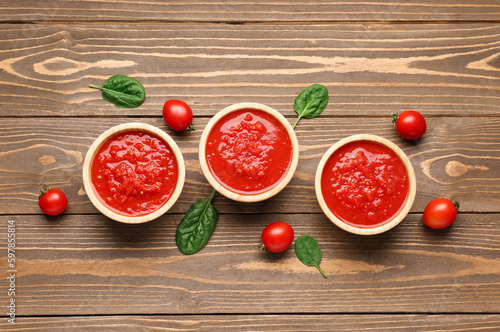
{"points": [[311, 102], [308, 251], [197, 226], [122, 91]]}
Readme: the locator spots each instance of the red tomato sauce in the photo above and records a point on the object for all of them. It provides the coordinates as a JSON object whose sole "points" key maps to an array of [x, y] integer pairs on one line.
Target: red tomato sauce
{"points": [[134, 173], [249, 151], [365, 184]]}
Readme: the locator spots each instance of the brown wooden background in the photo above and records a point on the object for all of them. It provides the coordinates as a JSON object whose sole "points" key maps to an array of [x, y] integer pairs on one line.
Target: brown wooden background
{"points": [[82, 271]]}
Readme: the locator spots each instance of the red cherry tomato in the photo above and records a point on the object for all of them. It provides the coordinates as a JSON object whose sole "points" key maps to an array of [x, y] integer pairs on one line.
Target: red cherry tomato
{"points": [[178, 115], [440, 213], [277, 236], [52, 201], [410, 124]]}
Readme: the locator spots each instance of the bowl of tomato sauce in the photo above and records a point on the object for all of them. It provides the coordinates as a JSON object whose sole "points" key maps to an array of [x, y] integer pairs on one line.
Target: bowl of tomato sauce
{"points": [[365, 184], [248, 152], [133, 173]]}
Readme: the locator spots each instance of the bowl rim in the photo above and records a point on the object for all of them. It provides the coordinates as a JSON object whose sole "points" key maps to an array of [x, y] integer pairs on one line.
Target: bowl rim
{"points": [[411, 191], [251, 197], [96, 145]]}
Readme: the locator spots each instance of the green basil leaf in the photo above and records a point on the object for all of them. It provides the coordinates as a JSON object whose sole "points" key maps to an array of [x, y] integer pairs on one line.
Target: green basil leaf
{"points": [[123, 91], [308, 251], [197, 226], [311, 102]]}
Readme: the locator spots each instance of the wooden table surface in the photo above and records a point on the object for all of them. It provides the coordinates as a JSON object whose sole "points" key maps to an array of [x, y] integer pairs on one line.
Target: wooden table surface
{"points": [[83, 271]]}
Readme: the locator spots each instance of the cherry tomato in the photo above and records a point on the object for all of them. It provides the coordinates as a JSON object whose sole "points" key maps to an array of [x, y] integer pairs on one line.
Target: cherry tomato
{"points": [[440, 213], [410, 124], [52, 201], [178, 115], [277, 236]]}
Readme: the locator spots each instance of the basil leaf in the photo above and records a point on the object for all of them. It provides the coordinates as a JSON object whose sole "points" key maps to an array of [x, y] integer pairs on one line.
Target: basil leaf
{"points": [[123, 91], [197, 226], [308, 251], [311, 102]]}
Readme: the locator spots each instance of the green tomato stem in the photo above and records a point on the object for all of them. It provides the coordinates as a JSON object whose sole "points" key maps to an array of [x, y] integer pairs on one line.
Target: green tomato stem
{"points": [[43, 191], [395, 117], [190, 128]]}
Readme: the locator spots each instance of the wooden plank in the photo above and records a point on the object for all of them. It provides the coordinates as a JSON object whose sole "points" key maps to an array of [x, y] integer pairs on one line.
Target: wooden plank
{"points": [[457, 158], [363, 323], [390, 56], [370, 69], [87, 265], [245, 11]]}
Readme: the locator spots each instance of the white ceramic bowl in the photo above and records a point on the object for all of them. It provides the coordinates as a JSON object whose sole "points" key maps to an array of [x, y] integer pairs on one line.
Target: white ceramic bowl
{"points": [[241, 197], [403, 211], [94, 148]]}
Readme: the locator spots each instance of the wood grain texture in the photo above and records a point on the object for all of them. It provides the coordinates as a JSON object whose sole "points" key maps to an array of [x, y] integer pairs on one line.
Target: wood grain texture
{"points": [[87, 265], [370, 69], [84, 272], [300, 323], [457, 158], [248, 11]]}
